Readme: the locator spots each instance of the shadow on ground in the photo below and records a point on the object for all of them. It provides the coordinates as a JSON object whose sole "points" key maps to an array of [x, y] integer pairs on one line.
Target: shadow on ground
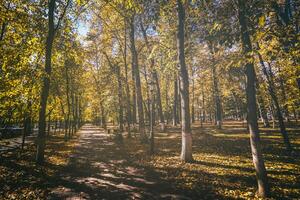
{"points": [[102, 169], [95, 166]]}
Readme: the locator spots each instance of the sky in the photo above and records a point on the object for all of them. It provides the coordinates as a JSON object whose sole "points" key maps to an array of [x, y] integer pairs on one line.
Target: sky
{"points": [[82, 28]]}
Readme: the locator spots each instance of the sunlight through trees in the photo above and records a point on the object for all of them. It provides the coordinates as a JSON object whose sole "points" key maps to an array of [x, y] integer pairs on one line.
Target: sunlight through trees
{"points": [[143, 71]]}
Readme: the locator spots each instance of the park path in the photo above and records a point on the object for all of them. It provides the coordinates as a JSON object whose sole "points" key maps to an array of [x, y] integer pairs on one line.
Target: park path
{"points": [[100, 169]]}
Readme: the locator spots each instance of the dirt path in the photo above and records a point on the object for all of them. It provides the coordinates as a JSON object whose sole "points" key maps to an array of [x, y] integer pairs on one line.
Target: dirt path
{"points": [[99, 169]]}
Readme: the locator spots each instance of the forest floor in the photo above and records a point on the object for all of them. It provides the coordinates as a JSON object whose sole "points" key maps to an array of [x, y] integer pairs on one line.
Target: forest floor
{"points": [[93, 165]]}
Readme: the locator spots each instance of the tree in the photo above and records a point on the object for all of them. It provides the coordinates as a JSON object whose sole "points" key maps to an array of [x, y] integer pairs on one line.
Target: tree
{"points": [[135, 69], [261, 173], [52, 29], [186, 149]]}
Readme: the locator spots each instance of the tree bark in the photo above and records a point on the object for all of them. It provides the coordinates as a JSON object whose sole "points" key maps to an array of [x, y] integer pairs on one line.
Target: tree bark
{"points": [[261, 106], [193, 99], [45, 84], [262, 109], [284, 98], [272, 91], [156, 81], [258, 161], [137, 79], [186, 150], [129, 117], [120, 98], [216, 95], [175, 116], [68, 120], [158, 100]]}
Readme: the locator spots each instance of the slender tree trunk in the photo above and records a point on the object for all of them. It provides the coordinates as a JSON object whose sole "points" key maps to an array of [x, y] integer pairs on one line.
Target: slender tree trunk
{"points": [[295, 114], [129, 117], [55, 127], [120, 95], [147, 103], [262, 110], [152, 116], [261, 106], [237, 106], [167, 111], [193, 99], [80, 113], [49, 124], [272, 111], [27, 130], [158, 100], [103, 118], [68, 120], [23, 133], [46, 84], [179, 101], [258, 161], [271, 88], [76, 113], [73, 109], [175, 116], [155, 79], [216, 95], [284, 98], [137, 82], [203, 103], [186, 150]]}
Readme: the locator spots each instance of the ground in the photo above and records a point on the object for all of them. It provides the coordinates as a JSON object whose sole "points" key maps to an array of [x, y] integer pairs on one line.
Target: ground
{"points": [[93, 165]]}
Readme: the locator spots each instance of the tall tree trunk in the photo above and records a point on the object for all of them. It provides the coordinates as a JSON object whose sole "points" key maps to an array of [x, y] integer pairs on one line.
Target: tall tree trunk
{"points": [[262, 110], [73, 109], [137, 79], [186, 150], [216, 93], [103, 118], [152, 115], [23, 132], [155, 79], [77, 112], [129, 117], [134, 111], [284, 98], [49, 124], [261, 106], [120, 98], [272, 111], [179, 100], [237, 106], [27, 130], [147, 103], [68, 122], [167, 111], [80, 112], [175, 116], [46, 84], [271, 88], [193, 99], [158, 100], [203, 103], [258, 161], [117, 71]]}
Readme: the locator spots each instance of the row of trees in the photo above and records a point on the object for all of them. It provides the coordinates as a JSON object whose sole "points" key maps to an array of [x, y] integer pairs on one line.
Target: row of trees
{"points": [[213, 60], [41, 68], [140, 64]]}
